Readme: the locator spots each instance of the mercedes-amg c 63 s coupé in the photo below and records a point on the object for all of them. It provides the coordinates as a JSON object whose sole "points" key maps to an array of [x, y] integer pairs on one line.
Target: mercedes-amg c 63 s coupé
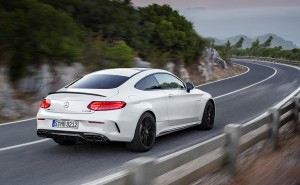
{"points": [[132, 105]]}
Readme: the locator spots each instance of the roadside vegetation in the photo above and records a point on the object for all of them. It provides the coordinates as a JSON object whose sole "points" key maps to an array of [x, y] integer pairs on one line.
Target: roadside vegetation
{"points": [[98, 33], [258, 49]]}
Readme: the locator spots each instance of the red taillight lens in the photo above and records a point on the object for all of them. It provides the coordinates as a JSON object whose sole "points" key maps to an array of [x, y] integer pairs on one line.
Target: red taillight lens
{"points": [[106, 105], [45, 104]]}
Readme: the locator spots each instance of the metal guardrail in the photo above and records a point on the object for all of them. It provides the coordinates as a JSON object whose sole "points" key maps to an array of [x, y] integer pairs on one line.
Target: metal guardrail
{"points": [[267, 127], [269, 59], [236, 139]]}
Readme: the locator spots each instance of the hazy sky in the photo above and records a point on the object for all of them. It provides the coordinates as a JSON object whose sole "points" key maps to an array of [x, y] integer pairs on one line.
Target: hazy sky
{"points": [[219, 3], [225, 18]]}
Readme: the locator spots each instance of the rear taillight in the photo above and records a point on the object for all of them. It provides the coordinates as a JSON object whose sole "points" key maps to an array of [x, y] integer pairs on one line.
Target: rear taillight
{"points": [[45, 104], [106, 105]]}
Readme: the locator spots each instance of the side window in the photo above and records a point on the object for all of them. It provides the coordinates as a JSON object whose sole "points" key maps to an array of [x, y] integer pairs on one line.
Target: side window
{"points": [[167, 81], [147, 83]]}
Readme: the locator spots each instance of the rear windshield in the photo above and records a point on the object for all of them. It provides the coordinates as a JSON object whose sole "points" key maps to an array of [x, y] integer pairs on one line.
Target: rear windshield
{"points": [[102, 81]]}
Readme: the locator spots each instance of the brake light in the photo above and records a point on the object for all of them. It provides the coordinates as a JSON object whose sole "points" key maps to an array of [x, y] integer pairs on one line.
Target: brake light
{"points": [[45, 104], [106, 105]]}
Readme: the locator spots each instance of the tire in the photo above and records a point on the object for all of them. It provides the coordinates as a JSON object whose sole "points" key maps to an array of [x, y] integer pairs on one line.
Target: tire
{"points": [[208, 117], [64, 142], [145, 134]]}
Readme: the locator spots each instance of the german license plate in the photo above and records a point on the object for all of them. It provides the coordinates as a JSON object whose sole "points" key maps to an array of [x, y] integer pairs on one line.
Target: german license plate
{"points": [[65, 124]]}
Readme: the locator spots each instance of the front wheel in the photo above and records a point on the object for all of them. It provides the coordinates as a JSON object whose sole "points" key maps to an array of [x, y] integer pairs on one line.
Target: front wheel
{"points": [[208, 117], [145, 134]]}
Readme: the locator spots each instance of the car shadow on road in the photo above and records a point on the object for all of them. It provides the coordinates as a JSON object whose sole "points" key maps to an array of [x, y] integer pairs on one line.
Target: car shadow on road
{"points": [[164, 145]]}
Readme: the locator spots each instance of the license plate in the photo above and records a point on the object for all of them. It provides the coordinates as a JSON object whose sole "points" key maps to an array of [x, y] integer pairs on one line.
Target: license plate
{"points": [[65, 124]]}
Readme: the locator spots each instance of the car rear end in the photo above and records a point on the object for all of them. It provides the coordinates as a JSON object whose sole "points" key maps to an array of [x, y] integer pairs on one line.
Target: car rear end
{"points": [[90, 114]]}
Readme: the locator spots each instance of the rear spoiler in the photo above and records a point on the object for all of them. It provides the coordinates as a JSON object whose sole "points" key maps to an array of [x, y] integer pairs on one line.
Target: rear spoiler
{"points": [[68, 92]]}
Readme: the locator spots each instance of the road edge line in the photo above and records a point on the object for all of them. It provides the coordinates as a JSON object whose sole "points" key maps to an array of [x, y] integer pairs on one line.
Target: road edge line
{"points": [[238, 90], [24, 144], [13, 122], [248, 69]]}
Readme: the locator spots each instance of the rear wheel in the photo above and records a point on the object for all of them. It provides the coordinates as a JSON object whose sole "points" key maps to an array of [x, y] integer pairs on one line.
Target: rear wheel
{"points": [[208, 117], [145, 134], [64, 142]]}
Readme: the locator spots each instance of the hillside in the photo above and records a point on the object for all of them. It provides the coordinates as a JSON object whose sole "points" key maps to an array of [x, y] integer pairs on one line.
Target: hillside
{"points": [[277, 41], [98, 34]]}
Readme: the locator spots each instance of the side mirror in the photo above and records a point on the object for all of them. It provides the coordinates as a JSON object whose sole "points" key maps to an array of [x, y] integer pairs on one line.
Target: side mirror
{"points": [[189, 86]]}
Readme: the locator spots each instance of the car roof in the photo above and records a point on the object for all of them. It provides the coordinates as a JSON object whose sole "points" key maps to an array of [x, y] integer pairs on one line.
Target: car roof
{"points": [[121, 71]]}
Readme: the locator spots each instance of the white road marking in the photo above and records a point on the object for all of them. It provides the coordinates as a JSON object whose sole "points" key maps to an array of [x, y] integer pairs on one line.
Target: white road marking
{"points": [[275, 72], [2, 124], [278, 105], [228, 77], [24, 144]]}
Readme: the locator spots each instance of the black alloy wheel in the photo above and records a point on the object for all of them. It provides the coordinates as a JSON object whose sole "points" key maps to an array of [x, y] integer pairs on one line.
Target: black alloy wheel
{"points": [[208, 117], [145, 134]]}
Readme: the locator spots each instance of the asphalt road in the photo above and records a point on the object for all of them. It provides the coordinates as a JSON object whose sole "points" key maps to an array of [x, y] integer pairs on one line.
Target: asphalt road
{"points": [[238, 100]]}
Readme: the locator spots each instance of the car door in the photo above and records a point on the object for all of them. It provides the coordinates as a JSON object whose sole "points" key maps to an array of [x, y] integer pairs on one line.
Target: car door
{"points": [[154, 96], [182, 106]]}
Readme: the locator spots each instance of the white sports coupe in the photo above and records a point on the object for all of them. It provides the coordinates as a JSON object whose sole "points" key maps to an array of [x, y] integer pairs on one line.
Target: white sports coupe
{"points": [[132, 105]]}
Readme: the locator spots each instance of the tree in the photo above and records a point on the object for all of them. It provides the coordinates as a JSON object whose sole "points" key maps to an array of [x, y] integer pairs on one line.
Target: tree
{"points": [[172, 33], [112, 19], [32, 32], [120, 55], [228, 50], [255, 44], [228, 44], [99, 54], [254, 48], [267, 43], [93, 55], [239, 43]]}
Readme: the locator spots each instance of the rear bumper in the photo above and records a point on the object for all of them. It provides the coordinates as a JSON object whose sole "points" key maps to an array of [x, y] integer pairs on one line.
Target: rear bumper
{"points": [[115, 125], [84, 136]]}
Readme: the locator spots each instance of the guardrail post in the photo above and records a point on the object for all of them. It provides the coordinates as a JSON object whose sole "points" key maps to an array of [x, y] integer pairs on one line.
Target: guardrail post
{"points": [[142, 171], [233, 148], [296, 113], [274, 124]]}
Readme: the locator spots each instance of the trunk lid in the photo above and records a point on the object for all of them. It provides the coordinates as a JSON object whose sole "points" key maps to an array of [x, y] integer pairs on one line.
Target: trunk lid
{"points": [[75, 101]]}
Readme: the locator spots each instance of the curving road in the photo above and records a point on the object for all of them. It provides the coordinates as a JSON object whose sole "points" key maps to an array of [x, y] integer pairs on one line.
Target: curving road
{"points": [[27, 159]]}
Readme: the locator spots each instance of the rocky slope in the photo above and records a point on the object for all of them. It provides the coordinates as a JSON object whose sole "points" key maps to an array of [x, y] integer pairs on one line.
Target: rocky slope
{"points": [[21, 100]]}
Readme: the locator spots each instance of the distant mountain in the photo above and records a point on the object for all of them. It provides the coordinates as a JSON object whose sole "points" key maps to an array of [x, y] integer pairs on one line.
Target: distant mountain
{"points": [[277, 41], [247, 40], [217, 41]]}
